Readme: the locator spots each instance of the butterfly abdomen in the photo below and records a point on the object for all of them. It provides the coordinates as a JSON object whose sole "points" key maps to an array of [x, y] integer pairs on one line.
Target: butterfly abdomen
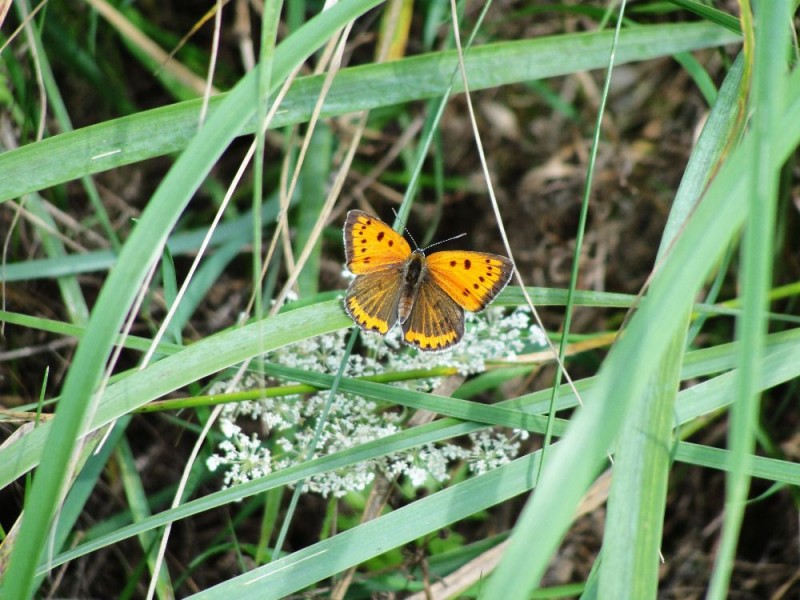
{"points": [[415, 273]]}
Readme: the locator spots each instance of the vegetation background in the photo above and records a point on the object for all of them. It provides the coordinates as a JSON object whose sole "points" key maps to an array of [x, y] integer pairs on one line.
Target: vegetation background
{"points": [[688, 191]]}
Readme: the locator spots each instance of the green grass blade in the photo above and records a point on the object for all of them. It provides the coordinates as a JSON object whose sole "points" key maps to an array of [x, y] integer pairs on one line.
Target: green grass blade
{"points": [[211, 355], [206, 276], [140, 250], [693, 402], [214, 354], [328, 557], [140, 509], [75, 502], [592, 431], [56, 103], [758, 466], [185, 242], [711, 14], [169, 129], [768, 99], [632, 537], [314, 179], [71, 293]]}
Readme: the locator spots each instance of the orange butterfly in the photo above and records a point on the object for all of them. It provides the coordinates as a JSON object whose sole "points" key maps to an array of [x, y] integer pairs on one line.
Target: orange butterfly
{"points": [[427, 295]]}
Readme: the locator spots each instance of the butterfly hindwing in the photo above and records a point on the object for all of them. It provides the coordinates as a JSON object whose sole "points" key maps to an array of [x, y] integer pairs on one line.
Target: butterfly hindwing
{"points": [[471, 279], [372, 299], [370, 245], [436, 322]]}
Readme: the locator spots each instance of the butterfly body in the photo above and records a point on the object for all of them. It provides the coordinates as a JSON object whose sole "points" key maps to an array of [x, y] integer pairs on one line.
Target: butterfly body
{"points": [[426, 295], [415, 271]]}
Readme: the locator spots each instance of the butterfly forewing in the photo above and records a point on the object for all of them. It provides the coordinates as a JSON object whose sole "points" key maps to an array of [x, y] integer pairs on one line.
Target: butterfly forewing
{"points": [[472, 279], [370, 245], [435, 322]]}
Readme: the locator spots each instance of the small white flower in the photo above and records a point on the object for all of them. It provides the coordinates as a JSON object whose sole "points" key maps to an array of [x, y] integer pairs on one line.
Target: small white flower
{"points": [[289, 421], [417, 475], [491, 449], [537, 335], [229, 428]]}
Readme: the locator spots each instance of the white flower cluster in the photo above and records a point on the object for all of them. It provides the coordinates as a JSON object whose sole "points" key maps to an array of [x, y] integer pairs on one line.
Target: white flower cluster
{"points": [[286, 424]]}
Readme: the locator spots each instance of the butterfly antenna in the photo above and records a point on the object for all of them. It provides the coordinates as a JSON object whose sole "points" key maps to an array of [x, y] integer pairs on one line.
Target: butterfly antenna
{"points": [[450, 239], [408, 233]]}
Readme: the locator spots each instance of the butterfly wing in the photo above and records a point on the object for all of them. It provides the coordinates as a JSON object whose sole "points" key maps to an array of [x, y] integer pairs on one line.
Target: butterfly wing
{"points": [[372, 300], [370, 245], [471, 279], [436, 322]]}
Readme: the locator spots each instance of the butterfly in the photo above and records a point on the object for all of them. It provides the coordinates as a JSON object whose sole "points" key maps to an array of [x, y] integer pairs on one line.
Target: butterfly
{"points": [[427, 295]]}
